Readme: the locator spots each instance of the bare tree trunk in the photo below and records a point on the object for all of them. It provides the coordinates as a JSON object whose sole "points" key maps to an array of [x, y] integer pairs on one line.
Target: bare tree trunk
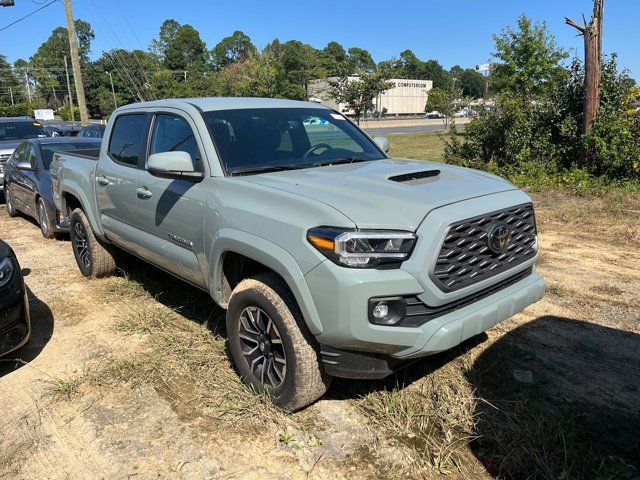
{"points": [[592, 33]]}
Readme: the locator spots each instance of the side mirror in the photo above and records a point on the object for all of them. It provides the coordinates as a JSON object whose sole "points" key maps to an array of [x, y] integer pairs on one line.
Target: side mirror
{"points": [[24, 165], [174, 165], [383, 143]]}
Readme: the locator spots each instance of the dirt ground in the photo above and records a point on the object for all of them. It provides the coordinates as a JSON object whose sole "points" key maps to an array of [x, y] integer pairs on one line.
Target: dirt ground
{"points": [[128, 378]]}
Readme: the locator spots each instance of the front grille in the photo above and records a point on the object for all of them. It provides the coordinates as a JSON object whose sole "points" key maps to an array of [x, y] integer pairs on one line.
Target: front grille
{"points": [[465, 257], [3, 159]]}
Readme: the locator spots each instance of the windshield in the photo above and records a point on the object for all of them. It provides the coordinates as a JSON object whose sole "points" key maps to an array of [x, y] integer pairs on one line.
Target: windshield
{"points": [[49, 149], [21, 130], [261, 139]]}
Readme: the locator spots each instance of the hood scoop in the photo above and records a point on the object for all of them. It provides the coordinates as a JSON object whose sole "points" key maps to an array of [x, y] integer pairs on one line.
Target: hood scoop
{"points": [[415, 178]]}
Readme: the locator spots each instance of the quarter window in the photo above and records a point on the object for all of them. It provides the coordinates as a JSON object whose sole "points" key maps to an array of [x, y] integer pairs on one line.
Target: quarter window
{"points": [[173, 134], [127, 138]]}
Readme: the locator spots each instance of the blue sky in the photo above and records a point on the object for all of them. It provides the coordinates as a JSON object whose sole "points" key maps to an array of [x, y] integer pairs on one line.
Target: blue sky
{"points": [[450, 32]]}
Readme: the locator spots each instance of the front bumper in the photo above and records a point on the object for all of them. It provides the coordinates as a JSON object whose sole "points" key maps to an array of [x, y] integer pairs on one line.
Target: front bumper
{"points": [[342, 303]]}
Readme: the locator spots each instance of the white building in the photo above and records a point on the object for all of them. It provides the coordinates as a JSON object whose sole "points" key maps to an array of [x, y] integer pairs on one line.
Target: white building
{"points": [[406, 97]]}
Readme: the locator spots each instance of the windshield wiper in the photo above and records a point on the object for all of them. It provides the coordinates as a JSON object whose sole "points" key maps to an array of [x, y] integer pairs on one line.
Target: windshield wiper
{"points": [[264, 169], [339, 161]]}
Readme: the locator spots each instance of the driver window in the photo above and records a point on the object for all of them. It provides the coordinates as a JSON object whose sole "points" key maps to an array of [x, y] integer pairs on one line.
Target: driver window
{"points": [[322, 132], [173, 134]]}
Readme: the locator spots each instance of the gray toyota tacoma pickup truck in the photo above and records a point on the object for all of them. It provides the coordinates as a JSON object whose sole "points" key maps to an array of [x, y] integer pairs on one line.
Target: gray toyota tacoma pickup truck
{"points": [[330, 258]]}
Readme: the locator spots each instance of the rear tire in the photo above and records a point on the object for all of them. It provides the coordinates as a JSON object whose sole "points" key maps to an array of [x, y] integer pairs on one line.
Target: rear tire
{"points": [[93, 258], [43, 220], [8, 199], [271, 345]]}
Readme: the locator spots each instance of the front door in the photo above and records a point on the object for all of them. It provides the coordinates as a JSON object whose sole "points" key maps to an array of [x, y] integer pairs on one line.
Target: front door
{"points": [[172, 211], [23, 183]]}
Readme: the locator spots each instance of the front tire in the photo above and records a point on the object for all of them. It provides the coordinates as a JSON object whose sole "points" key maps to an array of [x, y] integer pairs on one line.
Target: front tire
{"points": [[43, 220], [92, 257], [11, 209], [270, 344]]}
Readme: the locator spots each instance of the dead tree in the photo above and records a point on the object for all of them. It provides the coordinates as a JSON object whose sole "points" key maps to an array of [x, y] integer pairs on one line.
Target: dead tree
{"points": [[592, 33]]}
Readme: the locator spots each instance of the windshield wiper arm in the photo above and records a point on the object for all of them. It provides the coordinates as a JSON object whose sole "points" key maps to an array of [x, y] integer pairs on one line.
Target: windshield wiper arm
{"points": [[264, 169], [339, 161]]}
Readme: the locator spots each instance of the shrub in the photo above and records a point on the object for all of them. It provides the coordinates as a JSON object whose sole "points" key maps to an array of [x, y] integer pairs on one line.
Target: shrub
{"points": [[65, 112], [17, 110], [532, 139]]}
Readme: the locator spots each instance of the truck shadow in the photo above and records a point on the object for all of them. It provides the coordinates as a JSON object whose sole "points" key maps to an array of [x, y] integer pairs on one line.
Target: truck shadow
{"points": [[41, 331], [559, 398]]}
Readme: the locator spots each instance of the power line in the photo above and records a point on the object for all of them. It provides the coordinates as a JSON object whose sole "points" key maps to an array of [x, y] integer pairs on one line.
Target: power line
{"points": [[28, 15]]}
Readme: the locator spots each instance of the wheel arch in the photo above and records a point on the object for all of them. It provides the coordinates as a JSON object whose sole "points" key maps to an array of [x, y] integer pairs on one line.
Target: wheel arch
{"points": [[72, 198], [256, 255]]}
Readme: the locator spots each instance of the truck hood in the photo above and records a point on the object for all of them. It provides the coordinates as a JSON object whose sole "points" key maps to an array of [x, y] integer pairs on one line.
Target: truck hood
{"points": [[389, 193]]}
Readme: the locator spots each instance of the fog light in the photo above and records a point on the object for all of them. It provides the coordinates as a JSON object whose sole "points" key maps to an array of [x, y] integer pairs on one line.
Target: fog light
{"points": [[387, 310], [380, 311]]}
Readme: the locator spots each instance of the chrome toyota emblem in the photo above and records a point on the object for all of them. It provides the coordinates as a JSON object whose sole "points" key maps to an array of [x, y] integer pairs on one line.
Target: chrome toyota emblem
{"points": [[498, 237]]}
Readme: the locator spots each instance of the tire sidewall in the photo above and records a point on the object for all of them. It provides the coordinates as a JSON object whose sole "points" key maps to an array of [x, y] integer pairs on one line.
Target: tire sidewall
{"points": [[77, 217], [256, 297]]}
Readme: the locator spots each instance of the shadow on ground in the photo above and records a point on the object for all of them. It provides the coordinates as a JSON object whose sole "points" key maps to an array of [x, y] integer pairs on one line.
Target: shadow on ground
{"points": [[41, 332], [559, 398]]}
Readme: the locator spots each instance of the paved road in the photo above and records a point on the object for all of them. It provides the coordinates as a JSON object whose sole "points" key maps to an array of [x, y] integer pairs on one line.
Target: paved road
{"points": [[403, 130]]}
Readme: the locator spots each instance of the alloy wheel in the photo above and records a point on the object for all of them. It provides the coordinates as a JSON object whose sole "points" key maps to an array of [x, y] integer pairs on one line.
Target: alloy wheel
{"points": [[81, 244], [8, 201], [262, 347]]}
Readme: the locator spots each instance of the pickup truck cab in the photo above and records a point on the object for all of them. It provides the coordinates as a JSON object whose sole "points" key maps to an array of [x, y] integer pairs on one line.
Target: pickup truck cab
{"points": [[331, 258]]}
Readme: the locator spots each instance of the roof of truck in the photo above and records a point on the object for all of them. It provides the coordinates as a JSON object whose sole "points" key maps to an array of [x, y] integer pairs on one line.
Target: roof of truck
{"points": [[229, 103]]}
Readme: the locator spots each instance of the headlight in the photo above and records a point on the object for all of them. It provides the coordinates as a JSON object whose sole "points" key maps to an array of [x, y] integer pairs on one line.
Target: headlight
{"points": [[6, 271], [362, 248]]}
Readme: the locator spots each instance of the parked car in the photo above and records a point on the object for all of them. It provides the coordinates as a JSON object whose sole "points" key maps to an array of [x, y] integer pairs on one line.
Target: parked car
{"points": [[332, 259], [15, 323], [92, 131], [13, 131], [27, 181], [53, 131], [434, 115]]}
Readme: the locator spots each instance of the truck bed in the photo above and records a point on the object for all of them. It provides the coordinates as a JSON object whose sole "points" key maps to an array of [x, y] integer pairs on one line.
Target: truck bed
{"points": [[88, 153]]}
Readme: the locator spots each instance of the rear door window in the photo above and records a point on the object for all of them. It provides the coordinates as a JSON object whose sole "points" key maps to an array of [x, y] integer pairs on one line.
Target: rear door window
{"points": [[128, 139]]}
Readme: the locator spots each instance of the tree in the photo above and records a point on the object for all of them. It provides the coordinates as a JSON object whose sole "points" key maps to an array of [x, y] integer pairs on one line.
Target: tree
{"points": [[592, 34], [186, 51], [471, 83], [529, 61], [9, 83], [443, 101], [357, 94], [233, 49], [334, 59], [168, 31], [47, 63], [432, 70], [360, 59]]}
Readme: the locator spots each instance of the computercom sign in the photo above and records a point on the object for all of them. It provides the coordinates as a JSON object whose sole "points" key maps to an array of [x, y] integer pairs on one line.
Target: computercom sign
{"points": [[406, 97]]}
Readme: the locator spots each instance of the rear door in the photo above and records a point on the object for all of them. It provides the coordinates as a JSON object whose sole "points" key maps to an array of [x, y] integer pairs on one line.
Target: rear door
{"points": [[172, 211], [116, 179]]}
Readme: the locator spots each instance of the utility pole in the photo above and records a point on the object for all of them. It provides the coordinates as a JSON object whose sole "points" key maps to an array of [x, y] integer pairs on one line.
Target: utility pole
{"points": [[26, 83], [66, 69], [75, 64], [11, 93], [113, 91]]}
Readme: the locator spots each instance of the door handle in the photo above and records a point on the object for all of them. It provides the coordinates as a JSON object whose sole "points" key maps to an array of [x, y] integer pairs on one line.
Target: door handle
{"points": [[143, 192], [102, 180]]}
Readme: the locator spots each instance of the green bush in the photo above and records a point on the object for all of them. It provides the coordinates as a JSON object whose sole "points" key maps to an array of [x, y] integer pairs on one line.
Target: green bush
{"points": [[17, 110], [541, 141], [65, 112]]}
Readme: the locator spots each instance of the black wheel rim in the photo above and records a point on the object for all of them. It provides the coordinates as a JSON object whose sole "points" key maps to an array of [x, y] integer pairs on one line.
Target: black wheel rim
{"points": [[43, 218], [262, 347], [81, 244]]}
